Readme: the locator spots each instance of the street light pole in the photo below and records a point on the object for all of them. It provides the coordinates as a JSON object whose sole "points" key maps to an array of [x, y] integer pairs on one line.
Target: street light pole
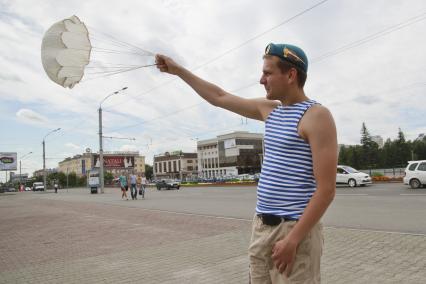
{"points": [[101, 151], [44, 157], [20, 168]]}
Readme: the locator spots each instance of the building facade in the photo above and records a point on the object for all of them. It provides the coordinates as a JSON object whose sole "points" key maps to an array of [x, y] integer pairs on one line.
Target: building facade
{"points": [[378, 139], [124, 162], [175, 165], [230, 154]]}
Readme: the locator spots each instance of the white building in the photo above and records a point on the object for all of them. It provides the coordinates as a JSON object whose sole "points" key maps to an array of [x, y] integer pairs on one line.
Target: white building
{"points": [[230, 154], [378, 139]]}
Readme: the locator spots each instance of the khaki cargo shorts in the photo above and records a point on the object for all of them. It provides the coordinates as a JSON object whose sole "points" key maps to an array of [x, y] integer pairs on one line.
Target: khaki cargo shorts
{"points": [[306, 268]]}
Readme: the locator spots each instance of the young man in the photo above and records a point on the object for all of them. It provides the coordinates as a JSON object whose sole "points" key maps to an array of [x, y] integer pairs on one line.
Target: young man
{"points": [[297, 182], [133, 190]]}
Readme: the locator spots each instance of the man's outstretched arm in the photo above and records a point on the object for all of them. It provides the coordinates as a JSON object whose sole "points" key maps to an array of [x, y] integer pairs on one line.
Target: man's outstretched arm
{"points": [[252, 108]]}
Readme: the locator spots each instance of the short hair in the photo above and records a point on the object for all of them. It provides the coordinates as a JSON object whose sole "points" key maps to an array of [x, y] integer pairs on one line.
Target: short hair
{"points": [[285, 66]]}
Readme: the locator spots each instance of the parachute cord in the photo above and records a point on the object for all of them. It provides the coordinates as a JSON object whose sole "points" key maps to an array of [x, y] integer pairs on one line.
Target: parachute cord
{"points": [[119, 41]]}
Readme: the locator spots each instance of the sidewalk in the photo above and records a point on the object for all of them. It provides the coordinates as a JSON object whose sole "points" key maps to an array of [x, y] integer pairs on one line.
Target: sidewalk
{"points": [[46, 239]]}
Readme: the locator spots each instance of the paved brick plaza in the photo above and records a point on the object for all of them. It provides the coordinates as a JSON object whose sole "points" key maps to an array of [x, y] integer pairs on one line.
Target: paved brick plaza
{"points": [[48, 238]]}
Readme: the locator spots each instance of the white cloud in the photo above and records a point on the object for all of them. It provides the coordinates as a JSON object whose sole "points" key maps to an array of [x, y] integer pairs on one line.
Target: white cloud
{"points": [[32, 117], [372, 83], [72, 145]]}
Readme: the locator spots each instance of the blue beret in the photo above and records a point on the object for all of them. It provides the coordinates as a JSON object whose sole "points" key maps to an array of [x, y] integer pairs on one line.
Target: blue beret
{"points": [[290, 53]]}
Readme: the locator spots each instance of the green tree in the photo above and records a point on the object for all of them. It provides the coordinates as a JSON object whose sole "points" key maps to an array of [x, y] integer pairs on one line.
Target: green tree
{"points": [[148, 171], [403, 152], [108, 177], [72, 179], [369, 153]]}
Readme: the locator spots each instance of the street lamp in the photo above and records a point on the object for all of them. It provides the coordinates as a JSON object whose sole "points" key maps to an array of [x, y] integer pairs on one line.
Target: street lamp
{"points": [[44, 157], [20, 168], [101, 151]]}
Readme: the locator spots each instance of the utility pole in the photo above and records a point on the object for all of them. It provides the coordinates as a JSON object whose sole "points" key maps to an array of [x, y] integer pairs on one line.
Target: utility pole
{"points": [[44, 158], [20, 168], [44, 168], [101, 151], [180, 166]]}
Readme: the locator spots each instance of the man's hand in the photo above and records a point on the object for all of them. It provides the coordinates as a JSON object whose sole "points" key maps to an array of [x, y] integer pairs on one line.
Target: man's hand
{"points": [[284, 255], [166, 64]]}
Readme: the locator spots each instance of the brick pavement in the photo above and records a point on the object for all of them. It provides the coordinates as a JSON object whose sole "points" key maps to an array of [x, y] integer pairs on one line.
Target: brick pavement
{"points": [[48, 239]]}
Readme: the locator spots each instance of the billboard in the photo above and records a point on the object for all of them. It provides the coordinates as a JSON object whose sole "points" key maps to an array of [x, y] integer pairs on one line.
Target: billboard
{"points": [[8, 161], [230, 143], [115, 162]]}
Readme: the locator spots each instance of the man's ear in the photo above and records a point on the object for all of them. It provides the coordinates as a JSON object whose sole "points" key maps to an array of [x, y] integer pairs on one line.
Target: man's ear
{"points": [[292, 75]]}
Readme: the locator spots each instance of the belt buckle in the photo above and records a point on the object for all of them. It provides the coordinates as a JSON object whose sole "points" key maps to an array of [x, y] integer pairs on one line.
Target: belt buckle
{"points": [[270, 220]]}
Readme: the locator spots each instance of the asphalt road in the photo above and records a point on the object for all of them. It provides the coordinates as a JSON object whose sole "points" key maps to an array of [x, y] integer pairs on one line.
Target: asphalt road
{"points": [[391, 207]]}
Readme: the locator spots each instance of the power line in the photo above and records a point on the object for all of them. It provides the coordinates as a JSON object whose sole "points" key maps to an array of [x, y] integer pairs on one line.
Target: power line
{"points": [[328, 54], [235, 47]]}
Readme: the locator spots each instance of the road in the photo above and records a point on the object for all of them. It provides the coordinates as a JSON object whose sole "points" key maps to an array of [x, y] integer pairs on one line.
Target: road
{"points": [[199, 235], [390, 207]]}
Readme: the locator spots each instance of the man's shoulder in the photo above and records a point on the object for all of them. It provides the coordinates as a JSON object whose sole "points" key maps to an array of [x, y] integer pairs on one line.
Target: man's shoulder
{"points": [[317, 117]]}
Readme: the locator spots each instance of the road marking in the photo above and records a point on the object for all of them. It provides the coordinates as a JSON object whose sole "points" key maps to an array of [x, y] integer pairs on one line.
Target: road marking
{"points": [[351, 194], [413, 194], [376, 231]]}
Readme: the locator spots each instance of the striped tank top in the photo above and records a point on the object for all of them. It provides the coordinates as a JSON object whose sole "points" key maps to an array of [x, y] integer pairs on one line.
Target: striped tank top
{"points": [[287, 181]]}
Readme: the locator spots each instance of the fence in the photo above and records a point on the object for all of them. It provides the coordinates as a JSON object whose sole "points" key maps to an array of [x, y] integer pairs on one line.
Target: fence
{"points": [[392, 172]]}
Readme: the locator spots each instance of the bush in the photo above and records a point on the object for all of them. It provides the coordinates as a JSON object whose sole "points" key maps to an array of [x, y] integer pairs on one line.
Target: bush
{"points": [[377, 174]]}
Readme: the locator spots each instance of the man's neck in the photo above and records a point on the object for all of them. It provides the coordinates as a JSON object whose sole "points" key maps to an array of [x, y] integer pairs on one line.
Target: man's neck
{"points": [[294, 97]]}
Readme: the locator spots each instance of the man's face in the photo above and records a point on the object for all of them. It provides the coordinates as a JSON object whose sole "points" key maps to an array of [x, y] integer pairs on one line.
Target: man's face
{"points": [[276, 83]]}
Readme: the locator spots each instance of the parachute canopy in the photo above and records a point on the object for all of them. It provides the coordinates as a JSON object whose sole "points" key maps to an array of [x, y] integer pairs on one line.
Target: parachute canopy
{"points": [[69, 52], [65, 51]]}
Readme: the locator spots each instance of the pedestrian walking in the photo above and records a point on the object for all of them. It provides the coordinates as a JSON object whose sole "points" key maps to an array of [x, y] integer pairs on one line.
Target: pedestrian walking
{"points": [[141, 183], [123, 185], [56, 187], [298, 176], [133, 190]]}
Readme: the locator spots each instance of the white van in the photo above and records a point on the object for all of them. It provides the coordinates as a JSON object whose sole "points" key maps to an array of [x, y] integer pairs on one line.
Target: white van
{"points": [[415, 174], [38, 186]]}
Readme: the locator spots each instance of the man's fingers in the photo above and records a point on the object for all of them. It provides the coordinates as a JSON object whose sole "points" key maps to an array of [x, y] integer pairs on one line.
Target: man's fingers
{"points": [[289, 268], [282, 267]]}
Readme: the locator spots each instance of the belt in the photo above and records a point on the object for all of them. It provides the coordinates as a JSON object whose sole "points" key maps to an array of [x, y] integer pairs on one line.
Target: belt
{"points": [[273, 220]]}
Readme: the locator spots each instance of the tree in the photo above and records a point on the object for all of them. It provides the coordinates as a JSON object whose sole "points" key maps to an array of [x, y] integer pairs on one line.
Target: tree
{"points": [[403, 152], [108, 177], [148, 171], [369, 157]]}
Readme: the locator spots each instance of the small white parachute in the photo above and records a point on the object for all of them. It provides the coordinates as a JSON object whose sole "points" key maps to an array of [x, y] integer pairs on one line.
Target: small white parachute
{"points": [[68, 53]]}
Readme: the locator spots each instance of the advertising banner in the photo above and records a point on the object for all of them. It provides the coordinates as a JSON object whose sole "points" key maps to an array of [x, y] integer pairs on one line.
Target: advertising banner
{"points": [[115, 162], [230, 143], [8, 161]]}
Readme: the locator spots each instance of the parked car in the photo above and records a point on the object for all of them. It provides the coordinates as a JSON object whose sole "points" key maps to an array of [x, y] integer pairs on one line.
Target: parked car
{"points": [[351, 177], [415, 174], [27, 188], [38, 186], [167, 184]]}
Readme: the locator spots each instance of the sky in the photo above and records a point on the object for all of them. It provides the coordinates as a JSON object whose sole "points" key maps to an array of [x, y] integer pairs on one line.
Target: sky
{"points": [[366, 64]]}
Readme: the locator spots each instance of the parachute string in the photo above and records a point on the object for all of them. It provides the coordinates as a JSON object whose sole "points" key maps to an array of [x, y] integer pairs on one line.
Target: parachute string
{"points": [[118, 41], [109, 73], [117, 50]]}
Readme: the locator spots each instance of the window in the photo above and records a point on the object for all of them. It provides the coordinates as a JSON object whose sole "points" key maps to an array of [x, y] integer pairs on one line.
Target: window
{"points": [[159, 165], [174, 166], [170, 166], [413, 167], [422, 167]]}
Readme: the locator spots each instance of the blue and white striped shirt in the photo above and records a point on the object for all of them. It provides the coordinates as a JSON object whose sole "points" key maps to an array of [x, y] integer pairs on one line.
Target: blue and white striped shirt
{"points": [[287, 181]]}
